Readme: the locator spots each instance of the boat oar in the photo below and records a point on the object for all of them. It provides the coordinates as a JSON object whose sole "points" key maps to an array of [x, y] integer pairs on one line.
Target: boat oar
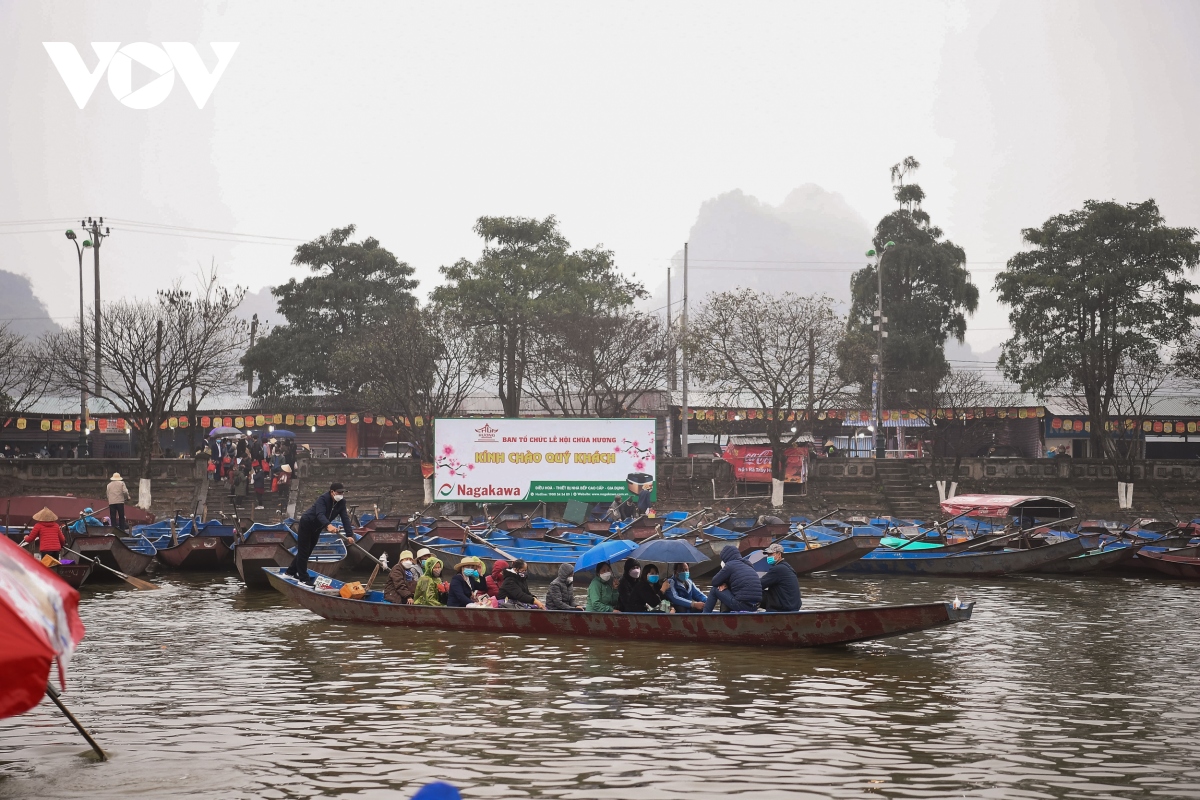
{"points": [[136, 583], [1022, 532], [480, 540], [945, 525], [804, 528], [679, 522], [53, 693]]}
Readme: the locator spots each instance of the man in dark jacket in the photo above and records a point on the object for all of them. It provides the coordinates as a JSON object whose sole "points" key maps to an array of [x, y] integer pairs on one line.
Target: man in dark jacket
{"points": [[781, 589], [328, 507], [736, 586], [515, 589]]}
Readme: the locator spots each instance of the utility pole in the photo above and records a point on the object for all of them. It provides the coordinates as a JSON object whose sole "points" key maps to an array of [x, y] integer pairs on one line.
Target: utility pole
{"points": [[98, 236], [253, 333], [683, 332], [672, 365], [83, 392]]}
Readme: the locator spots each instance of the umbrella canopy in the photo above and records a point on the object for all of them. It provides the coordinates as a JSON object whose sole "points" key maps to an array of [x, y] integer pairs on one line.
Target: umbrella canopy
{"points": [[605, 551], [280, 434], [669, 551], [39, 623], [225, 431]]}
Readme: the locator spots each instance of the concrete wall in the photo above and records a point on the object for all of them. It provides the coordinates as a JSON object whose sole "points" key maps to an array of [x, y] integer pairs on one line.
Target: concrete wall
{"points": [[1162, 488]]}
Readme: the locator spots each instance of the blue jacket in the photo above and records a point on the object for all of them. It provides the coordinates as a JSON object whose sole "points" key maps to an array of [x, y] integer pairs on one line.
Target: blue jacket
{"points": [[323, 512], [741, 578], [681, 596], [781, 589]]}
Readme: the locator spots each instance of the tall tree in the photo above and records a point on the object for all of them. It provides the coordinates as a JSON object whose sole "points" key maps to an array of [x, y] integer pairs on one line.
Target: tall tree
{"points": [[776, 352], [354, 287], [23, 376], [1097, 289], [147, 348], [526, 275], [927, 295]]}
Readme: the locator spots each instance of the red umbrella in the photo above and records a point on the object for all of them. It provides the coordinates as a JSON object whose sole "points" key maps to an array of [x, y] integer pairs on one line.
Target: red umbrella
{"points": [[39, 624]]}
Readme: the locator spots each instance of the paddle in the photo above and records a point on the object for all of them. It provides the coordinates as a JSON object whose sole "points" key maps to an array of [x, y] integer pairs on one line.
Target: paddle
{"points": [[804, 528], [380, 564], [53, 693], [480, 540], [1022, 532], [136, 583], [944, 525], [662, 531]]}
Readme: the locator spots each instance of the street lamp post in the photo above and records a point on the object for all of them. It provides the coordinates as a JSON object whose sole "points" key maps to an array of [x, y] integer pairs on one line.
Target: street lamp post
{"points": [[83, 394], [877, 359]]}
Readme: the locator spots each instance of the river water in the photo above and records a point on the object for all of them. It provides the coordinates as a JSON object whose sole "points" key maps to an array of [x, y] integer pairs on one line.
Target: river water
{"points": [[1057, 688]]}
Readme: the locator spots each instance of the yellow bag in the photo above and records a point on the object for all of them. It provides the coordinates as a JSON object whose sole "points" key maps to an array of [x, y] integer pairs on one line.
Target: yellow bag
{"points": [[50, 561], [353, 591]]}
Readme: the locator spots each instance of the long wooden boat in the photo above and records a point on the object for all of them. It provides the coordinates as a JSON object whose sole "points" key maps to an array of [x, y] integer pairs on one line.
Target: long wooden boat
{"points": [[968, 564], [197, 553], [764, 629], [1090, 561], [251, 559], [272, 535], [1187, 567], [112, 552], [74, 574], [831, 556]]}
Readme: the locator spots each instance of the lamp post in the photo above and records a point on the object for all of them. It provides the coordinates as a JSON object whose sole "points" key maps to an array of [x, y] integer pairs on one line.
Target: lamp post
{"points": [[877, 359], [83, 395]]}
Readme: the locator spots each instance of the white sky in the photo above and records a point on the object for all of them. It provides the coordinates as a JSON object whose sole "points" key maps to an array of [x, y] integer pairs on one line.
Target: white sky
{"points": [[413, 119]]}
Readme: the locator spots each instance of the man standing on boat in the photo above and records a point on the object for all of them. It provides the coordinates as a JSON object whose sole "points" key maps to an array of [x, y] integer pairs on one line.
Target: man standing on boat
{"points": [[319, 518]]}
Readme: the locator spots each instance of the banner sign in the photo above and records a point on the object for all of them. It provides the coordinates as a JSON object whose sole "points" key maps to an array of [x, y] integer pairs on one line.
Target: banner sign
{"points": [[752, 463], [533, 460]]}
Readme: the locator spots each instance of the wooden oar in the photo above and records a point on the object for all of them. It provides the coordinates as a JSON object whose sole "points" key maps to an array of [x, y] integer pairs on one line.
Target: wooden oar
{"points": [[480, 540], [945, 525], [136, 583], [380, 564], [804, 528], [53, 693], [1022, 532]]}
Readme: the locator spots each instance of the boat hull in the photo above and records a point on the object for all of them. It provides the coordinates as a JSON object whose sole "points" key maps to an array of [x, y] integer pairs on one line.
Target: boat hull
{"points": [[1175, 566], [790, 629], [1089, 562], [250, 559], [966, 564], [113, 553], [831, 556], [74, 574], [197, 553]]}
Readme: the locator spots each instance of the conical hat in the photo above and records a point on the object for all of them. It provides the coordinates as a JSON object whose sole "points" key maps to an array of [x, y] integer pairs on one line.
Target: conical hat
{"points": [[45, 515]]}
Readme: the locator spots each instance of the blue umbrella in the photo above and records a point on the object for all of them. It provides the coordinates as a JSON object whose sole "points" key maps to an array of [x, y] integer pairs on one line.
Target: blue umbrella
{"points": [[281, 434], [669, 551], [605, 551]]}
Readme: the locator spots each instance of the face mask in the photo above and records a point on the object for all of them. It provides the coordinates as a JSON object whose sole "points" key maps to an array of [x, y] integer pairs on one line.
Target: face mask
{"points": [[473, 573], [771, 560], [633, 573], [683, 576], [570, 579], [652, 578], [337, 498], [605, 576], [406, 564]]}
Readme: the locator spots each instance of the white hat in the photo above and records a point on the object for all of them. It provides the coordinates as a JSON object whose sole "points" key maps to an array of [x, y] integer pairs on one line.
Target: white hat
{"points": [[116, 476]]}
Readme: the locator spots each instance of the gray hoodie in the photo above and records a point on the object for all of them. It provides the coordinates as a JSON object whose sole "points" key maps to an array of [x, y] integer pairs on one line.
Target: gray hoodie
{"points": [[559, 596]]}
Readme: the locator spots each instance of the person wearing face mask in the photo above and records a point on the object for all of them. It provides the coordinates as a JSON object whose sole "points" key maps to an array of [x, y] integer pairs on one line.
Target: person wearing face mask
{"points": [[466, 583], [736, 586], [515, 589], [560, 597], [648, 591], [497, 577], [401, 586], [627, 587], [602, 595], [781, 588], [431, 589], [329, 506], [683, 595]]}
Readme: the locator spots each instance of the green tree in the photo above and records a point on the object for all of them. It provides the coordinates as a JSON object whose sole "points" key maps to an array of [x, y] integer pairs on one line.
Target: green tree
{"points": [[927, 294], [526, 276], [1097, 289], [354, 287]]}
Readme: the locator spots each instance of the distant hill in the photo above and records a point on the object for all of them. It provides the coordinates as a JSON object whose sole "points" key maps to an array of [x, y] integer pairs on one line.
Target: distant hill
{"points": [[809, 244], [20, 308]]}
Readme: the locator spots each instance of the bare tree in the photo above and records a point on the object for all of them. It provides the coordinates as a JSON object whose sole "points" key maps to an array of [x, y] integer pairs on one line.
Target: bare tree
{"points": [[23, 376], [149, 351], [778, 352], [598, 364]]}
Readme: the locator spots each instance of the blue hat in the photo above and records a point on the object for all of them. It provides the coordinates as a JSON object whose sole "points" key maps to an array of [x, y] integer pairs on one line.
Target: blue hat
{"points": [[437, 791], [88, 511]]}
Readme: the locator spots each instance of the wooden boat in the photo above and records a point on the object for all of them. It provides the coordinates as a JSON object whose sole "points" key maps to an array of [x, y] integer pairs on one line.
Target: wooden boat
{"points": [[1187, 567], [832, 556], [274, 534], [250, 559], [1091, 561], [776, 629], [378, 542], [112, 552], [328, 557], [74, 574], [197, 553], [968, 563]]}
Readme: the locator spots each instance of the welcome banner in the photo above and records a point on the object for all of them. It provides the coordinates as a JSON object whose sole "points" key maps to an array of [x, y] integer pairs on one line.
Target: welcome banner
{"points": [[534, 460]]}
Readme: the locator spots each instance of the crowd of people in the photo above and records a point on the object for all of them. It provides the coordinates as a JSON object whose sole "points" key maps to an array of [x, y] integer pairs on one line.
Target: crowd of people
{"points": [[421, 580], [252, 466]]}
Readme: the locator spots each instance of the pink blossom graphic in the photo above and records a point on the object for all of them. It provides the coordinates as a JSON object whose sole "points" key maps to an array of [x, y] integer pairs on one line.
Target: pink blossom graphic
{"points": [[447, 450], [639, 465]]}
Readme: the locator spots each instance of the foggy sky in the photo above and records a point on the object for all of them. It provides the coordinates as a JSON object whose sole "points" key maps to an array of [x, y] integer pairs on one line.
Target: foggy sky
{"points": [[623, 119]]}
